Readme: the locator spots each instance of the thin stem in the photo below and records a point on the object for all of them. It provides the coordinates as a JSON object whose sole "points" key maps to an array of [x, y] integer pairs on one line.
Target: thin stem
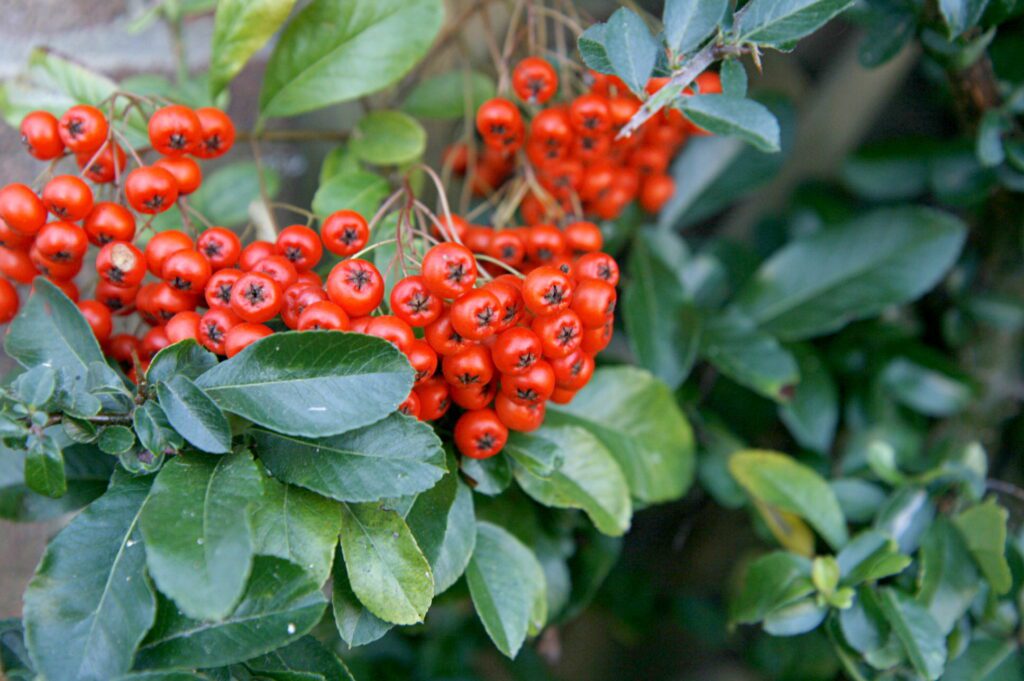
{"points": [[499, 263], [295, 209], [261, 174], [372, 247], [449, 225]]}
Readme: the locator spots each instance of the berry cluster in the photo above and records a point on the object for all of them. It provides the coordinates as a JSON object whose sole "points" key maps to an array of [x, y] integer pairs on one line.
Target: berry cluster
{"points": [[571, 149]]}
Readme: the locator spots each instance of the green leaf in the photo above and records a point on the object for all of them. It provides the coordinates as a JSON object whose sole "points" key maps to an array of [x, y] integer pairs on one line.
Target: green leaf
{"points": [[394, 457], [948, 579], [734, 78], [782, 482], [449, 95], [226, 193], [961, 15], [304, 659], [297, 525], [984, 529], [199, 543], [504, 581], [905, 517], [89, 604], [778, 22], [689, 22], [44, 468], [356, 625], [795, 619], [281, 604], [663, 329], [86, 472], [314, 383], [917, 632], [636, 418], [771, 582], [240, 29], [632, 50], [36, 386], [753, 358], [195, 415], [813, 413], [986, 660], [537, 455], [50, 330], [443, 522], [360, 191], [116, 440], [819, 284], [989, 142], [730, 115], [386, 568], [489, 477], [154, 430], [870, 556], [80, 83], [588, 479], [186, 357], [930, 385], [338, 50], [388, 138], [591, 44]]}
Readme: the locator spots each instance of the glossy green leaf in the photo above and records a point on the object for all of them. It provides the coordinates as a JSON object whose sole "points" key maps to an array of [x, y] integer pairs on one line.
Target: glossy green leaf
{"points": [[489, 477], [948, 579], [195, 415], [738, 116], [960, 15], [986, 660], [297, 525], [86, 472], [226, 193], [314, 383], [504, 580], [443, 522], [662, 327], [689, 22], [819, 284], [932, 387], [304, 659], [632, 50], [240, 29], [116, 440], [391, 458], [386, 568], [539, 456], [199, 543], [338, 50], [736, 347], [636, 418], [795, 619], [588, 479], [771, 582], [449, 95], [44, 467], [50, 330], [359, 190], [778, 22], [591, 45], [186, 357], [920, 636], [984, 529], [356, 625], [905, 517], [388, 138], [812, 414], [870, 556], [784, 483], [281, 604], [89, 604], [154, 430]]}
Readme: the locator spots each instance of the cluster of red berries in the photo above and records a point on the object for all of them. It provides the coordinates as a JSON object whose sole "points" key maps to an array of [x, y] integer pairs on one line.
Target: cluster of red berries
{"points": [[572, 147], [49, 232]]}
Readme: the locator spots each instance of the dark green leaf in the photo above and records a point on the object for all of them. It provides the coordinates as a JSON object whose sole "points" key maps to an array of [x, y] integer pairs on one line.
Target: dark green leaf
{"points": [[984, 529], [338, 50], [449, 95], [36, 386], [588, 479], [280, 604], [86, 471], [737, 348], [795, 619], [948, 579], [358, 190], [730, 115], [663, 329], [356, 625], [443, 522], [734, 78], [314, 383], [636, 418], [195, 415], [44, 468], [782, 482], [631, 49], [227, 192], [989, 143], [819, 284], [50, 330], [115, 440], [986, 660], [929, 384], [813, 413], [920, 636], [489, 476], [391, 458], [154, 430], [591, 44], [297, 660], [905, 517], [386, 568], [186, 357], [240, 29], [771, 582], [870, 556], [778, 22], [14, 657], [388, 138], [689, 22], [297, 525], [960, 15], [90, 604], [199, 543], [504, 581]]}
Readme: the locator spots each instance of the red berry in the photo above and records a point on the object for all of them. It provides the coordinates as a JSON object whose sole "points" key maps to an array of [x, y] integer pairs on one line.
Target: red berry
{"points": [[589, 114], [474, 395], [534, 80], [547, 290], [17, 265], [151, 189], [560, 333], [214, 327], [62, 242], [8, 301], [518, 416], [175, 130], [583, 237], [121, 264], [103, 166], [40, 133], [183, 326], [596, 340], [594, 302], [243, 335], [422, 358], [278, 268], [573, 371], [153, 342], [217, 134], [411, 405], [476, 314], [123, 348], [322, 314], [393, 329], [412, 302], [186, 270], [480, 434], [186, 172], [507, 247], [345, 232], [656, 192], [168, 301], [597, 266], [536, 385], [442, 337], [510, 300], [119, 299], [301, 245], [217, 291], [21, 209], [164, 244], [220, 246], [83, 128], [449, 270], [434, 397], [109, 222], [498, 121], [256, 297], [356, 285], [470, 366], [254, 253], [67, 198], [516, 350]]}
